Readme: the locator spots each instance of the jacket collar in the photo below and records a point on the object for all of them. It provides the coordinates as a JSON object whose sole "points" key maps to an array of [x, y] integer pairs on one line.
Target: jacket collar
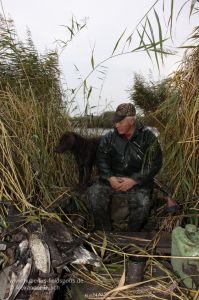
{"points": [[138, 128]]}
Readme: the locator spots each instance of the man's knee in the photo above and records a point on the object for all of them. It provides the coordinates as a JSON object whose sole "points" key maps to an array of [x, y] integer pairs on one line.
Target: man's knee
{"points": [[140, 198], [98, 193], [98, 196], [139, 208], [96, 189], [93, 190]]}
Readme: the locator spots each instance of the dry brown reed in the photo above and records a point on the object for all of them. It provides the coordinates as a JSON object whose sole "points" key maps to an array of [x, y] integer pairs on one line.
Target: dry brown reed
{"points": [[180, 137], [30, 171]]}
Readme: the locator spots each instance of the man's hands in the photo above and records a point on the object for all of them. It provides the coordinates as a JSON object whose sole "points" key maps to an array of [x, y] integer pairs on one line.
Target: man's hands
{"points": [[121, 183], [115, 182]]}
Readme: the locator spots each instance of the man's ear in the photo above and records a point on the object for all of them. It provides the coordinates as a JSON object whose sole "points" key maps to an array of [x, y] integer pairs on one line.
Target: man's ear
{"points": [[133, 119]]}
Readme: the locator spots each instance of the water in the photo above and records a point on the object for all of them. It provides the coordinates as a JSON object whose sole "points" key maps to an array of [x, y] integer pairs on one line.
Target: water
{"points": [[92, 131], [103, 131]]}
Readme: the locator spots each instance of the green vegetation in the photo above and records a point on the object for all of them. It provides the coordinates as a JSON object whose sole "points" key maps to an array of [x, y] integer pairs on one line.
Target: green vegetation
{"points": [[148, 95], [32, 119], [103, 120], [23, 71]]}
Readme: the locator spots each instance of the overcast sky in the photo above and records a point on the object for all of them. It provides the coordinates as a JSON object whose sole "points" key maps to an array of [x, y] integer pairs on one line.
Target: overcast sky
{"points": [[106, 20]]}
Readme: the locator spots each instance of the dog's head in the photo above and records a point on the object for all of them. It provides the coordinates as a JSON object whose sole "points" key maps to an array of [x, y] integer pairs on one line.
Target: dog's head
{"points": [[66, 142]]}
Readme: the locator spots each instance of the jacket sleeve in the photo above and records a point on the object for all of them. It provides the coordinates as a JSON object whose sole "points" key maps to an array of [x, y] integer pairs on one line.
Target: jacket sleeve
{"points": [[103, 156], [152, 162]]}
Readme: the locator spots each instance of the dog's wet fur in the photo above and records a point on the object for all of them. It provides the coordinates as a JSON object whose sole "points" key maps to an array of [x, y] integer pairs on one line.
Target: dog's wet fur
{"points": [[84, 150]]}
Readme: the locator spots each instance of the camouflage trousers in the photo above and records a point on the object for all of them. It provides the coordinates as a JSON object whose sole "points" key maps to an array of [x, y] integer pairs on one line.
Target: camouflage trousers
{"points": [[99, 201]]}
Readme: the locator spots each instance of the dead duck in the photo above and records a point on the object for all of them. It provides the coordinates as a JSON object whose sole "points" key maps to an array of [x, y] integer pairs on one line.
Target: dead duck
{"points": [[37, 248]]}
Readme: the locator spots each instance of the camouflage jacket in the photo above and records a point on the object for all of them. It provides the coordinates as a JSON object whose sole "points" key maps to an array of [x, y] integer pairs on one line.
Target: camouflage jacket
{"points": [[139, 158]]}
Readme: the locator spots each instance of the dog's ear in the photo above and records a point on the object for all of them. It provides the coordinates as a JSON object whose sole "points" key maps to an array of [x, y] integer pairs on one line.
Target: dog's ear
{"points": [[71, 139]]}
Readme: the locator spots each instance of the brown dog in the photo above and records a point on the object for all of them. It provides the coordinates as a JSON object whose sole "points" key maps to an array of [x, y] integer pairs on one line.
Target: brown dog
{"points": [[84, 150]]}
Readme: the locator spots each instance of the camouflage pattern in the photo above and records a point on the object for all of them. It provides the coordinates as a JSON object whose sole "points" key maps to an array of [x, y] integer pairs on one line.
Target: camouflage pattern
{"points": [[99, 197], [124, 110]]}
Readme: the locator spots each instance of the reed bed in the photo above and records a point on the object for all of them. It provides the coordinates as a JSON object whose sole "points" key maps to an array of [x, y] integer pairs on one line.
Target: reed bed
{"points": [[30, 171], [180, 134], [32, 177]]}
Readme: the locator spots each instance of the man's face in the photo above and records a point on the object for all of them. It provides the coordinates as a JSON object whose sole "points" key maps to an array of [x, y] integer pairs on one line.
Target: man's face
{"points": [[125, 126]]}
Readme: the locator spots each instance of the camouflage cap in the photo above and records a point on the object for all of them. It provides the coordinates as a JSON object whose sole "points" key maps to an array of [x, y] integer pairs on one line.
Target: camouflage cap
{"points": [[124, 110]]}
